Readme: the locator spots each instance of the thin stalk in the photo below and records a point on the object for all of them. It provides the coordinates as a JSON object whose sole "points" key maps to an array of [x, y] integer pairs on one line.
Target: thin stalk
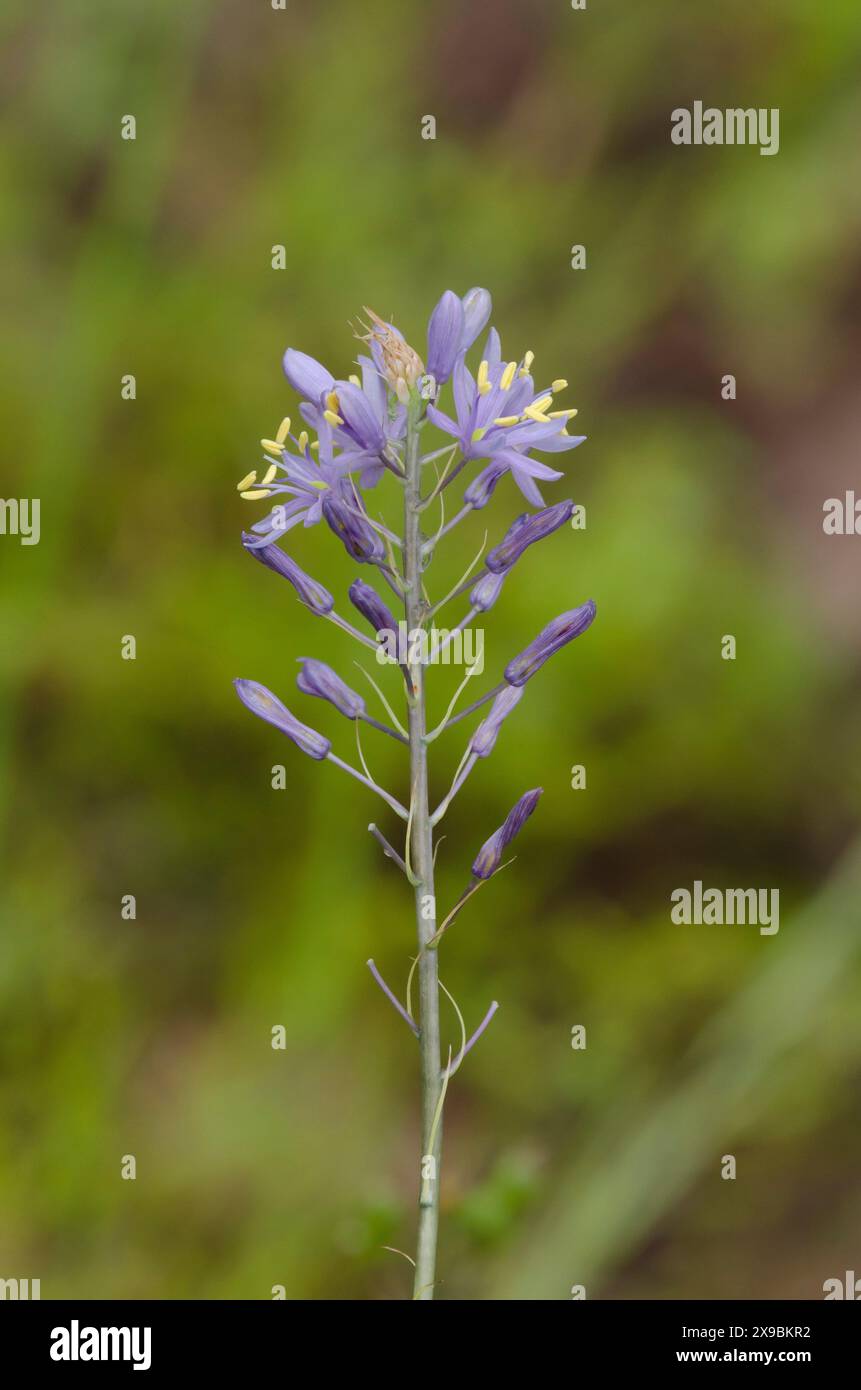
{"points": [[470, 709], [421, 863], [444, 529]]}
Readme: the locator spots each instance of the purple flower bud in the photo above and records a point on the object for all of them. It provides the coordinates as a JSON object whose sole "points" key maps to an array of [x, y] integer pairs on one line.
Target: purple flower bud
{"points": [[371, 606], [308, 377], [445, 334], [489, 857], [267, 706], [486, 592], [360, 539], [481, 489], [487, 732], [316, 678], [525, 531], [554, 636], [312, 594], [477, 306]]}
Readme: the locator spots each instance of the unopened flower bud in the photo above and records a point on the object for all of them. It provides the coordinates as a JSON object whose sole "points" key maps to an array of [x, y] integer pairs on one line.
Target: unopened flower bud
{"points": [[371, 606], [477, 306], [360, 539], [316, 678], [267, 706], [553, 637], [525, 532], [489, 857], [445, 333], [312, 594], [485, 593], [486, 734], [481, 489]]}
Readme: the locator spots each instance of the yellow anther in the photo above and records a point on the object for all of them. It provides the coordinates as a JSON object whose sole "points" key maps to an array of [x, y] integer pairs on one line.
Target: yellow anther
{"points": [[354, 379], [332, 417], [271, 446], [559, 384], [256, 493], [542, 403], [316, 444], [247, 480], [533, 413], [528, 359], [283, 430], [562, 414], [333, 403], [303, 441], [508, 376], [507, 420], [481, 378], [477, 435], [269, 475]]}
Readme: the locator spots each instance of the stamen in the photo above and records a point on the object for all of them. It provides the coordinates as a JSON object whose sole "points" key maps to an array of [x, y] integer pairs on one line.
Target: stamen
{"points": [[316, 444], [303, 441], [508, 376], [269, 474], [507, 420], [255, 494], [332, 402], [559, 384], [271, 446], [247, 480], [283, 430], [483, 384], [533, 413], [354, 379], [477, 435], [542, 402], [332, 418], [562, 414], [528, 359]]}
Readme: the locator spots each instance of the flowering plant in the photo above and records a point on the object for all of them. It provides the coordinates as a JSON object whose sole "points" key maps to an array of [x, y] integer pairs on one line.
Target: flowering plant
{"points": [[354, 431]]}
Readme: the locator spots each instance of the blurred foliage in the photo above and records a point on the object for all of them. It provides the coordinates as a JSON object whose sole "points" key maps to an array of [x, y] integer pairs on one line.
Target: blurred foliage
{"points": [[257, 907]]}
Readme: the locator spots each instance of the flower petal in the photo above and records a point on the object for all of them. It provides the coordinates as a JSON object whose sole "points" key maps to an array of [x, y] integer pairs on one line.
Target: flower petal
{"points": [[445, 334]]}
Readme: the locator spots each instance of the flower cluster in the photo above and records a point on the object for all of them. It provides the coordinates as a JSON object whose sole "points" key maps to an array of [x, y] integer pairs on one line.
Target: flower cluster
{"points": [[354, 429]]}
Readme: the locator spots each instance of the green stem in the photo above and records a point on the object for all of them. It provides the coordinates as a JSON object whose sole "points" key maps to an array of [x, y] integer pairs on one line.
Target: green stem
{"points": [[421, 858]]}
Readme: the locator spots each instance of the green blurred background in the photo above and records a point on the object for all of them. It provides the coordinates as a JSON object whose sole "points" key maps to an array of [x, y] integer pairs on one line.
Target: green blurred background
{"points": [[257, 907]]}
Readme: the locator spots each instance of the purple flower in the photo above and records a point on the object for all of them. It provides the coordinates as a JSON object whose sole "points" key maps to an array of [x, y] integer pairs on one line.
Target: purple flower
{"points": [[489, 857], [312, 594], [306, 483], [366, 426], [486, 592], [362, 424], [553, 637], [371, 606], [486, 734], [360, 539], [316, 678], [267, 706], [525, 531], [501, 417]]}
